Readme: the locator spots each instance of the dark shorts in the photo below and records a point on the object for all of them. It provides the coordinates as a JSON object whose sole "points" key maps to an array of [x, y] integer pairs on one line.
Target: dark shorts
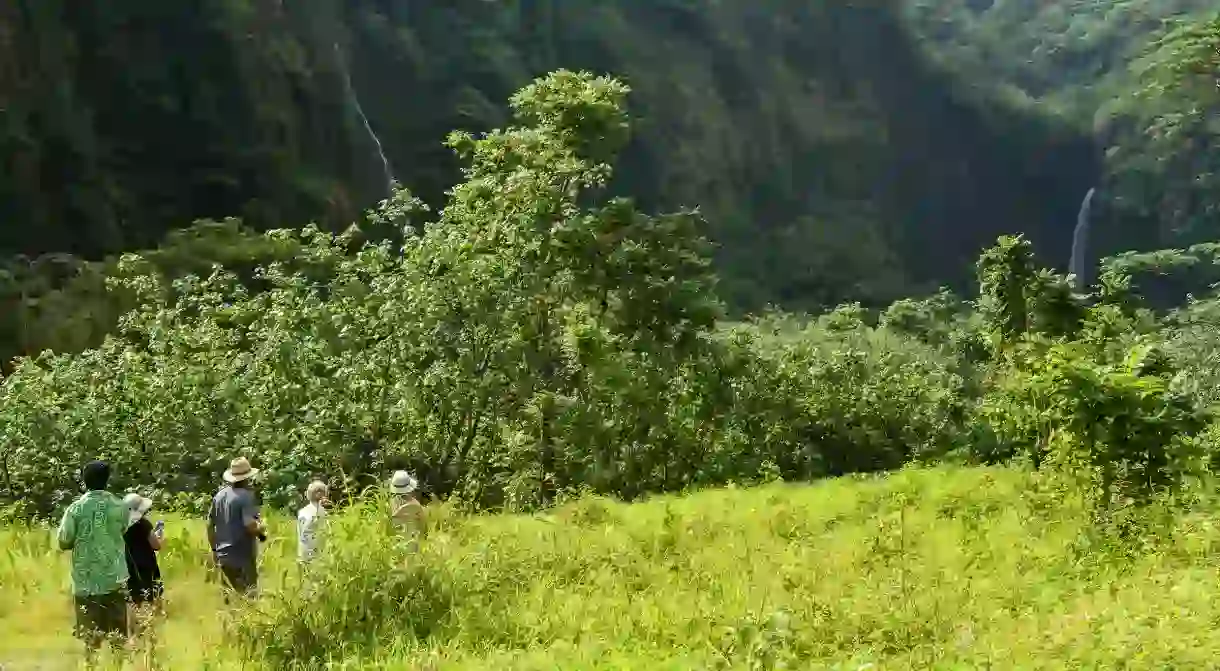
{"points": [[242, 579], [102, 616]]}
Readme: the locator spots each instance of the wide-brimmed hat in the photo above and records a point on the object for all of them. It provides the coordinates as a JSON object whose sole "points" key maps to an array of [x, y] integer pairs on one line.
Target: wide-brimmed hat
{"points": [[137, 506], [316, 491], [403, 483], [240, 470]]}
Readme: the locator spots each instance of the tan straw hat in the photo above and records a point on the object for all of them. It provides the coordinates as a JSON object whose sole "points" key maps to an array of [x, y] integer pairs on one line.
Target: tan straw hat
{"points": [[240, 470]]}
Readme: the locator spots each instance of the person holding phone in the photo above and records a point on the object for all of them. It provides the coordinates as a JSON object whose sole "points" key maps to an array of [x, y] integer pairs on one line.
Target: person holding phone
{"points": [[143, 540], [235, 527]]}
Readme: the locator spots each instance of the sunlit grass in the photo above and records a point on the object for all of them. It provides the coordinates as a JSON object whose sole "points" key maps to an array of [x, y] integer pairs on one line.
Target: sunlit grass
{"points": [[925, 569]]}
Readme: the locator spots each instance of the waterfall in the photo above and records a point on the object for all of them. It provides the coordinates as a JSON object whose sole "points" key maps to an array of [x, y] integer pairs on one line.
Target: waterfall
{"points": [[354, 101], [1080, 238]]}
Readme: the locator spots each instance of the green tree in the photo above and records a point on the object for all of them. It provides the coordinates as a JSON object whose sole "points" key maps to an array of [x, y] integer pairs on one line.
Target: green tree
{"points": [[539, 337], [1180, 93]]}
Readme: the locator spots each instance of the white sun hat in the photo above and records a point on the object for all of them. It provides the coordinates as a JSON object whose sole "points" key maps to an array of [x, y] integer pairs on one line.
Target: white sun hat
{"points": [[239, 470], [403, 483], [316, 491], [137, 507]]}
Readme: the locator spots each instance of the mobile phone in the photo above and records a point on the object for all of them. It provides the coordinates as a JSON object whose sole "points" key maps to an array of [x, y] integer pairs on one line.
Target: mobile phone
{"points": [[160, 526]]}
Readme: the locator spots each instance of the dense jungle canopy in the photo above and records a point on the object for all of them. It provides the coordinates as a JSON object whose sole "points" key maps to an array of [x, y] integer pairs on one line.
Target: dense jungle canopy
{"points": [[842, 151]]}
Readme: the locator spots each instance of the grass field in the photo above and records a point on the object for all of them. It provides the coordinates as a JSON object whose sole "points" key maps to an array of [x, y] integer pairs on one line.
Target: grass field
{"points": [[924, 569]]}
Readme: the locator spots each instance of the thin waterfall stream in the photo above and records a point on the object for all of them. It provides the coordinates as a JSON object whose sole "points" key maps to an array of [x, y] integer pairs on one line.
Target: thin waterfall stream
{"points": [[1080, 239], [354, 101]]}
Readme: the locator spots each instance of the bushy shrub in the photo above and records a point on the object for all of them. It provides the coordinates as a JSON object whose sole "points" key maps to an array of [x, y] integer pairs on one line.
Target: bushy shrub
{"points": [[1088, 393], [1192, 339], [1114, 432], [931, 320], [536, 339], [367, 589], [858, 399]]}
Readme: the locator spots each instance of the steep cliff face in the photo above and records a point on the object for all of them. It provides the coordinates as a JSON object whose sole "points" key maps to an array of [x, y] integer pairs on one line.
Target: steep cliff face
{"points": [[1071, 55], [1115, 68], [124, 119], [832, 162]]}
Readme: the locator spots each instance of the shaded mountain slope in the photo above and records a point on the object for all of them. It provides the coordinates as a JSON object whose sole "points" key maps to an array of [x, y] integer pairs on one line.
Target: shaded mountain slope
{"points": [[831, 159]]}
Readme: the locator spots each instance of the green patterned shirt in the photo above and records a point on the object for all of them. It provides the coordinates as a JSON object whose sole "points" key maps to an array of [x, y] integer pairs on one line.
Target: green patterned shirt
{"points": [[93, 528]]}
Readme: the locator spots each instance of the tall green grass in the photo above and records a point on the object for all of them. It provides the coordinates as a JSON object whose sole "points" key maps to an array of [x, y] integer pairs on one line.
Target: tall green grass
{"points": [[923, 569]]}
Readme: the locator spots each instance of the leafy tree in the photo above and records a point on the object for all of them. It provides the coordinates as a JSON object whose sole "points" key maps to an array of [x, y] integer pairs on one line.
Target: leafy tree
{"points": [[1115, 432], [1178, 102], [827, 155], [1090, 401], [538, 337]]}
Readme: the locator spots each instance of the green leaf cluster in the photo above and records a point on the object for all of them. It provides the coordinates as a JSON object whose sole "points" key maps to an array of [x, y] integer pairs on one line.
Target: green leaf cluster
{"points": [[1085, 392], [536, 338]]}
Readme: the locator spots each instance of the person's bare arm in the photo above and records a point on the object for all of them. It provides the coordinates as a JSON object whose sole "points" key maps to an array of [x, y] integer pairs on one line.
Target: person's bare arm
{"points": [[212, 530], [66, 535], [255, 527], [251, 518], [155, 541]]}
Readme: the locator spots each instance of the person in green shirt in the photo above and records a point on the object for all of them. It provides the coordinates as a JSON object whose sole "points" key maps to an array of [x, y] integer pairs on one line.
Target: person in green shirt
{"points": [[92, 529]]}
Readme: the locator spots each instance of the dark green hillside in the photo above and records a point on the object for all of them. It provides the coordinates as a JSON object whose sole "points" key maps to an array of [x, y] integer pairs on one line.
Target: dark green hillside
{"points": [[1139, 75], [1074, 55], [832, 162]]}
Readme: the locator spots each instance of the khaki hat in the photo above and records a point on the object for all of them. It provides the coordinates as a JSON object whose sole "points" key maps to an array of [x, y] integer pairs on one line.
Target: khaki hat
{"points": [[240, 470]]}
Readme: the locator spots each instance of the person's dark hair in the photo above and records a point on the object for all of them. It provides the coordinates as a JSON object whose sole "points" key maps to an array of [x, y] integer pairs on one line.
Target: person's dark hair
{"points": [[96, 475]]}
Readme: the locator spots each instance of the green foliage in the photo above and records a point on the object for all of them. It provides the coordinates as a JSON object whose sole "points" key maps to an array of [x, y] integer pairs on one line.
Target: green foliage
{"points": [[1193, 339], [1004, 274], [63, 304], [826, 171], [930, 319], [1017, 299], [1191, 336], [1078, 394], [848, 399], [1179, 76], [1164, 166], [1140, 75], [1070, 55], [541, 337], [536, 339], [846, 317], [1115, 432]]}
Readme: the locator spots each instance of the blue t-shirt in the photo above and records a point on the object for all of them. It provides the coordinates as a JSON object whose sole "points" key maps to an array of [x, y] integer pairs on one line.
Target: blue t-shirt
{"points": [[232, 509]]}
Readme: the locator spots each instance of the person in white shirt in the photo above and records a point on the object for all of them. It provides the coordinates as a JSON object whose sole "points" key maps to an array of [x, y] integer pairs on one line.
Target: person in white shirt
{"points": [[311, 521]]}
